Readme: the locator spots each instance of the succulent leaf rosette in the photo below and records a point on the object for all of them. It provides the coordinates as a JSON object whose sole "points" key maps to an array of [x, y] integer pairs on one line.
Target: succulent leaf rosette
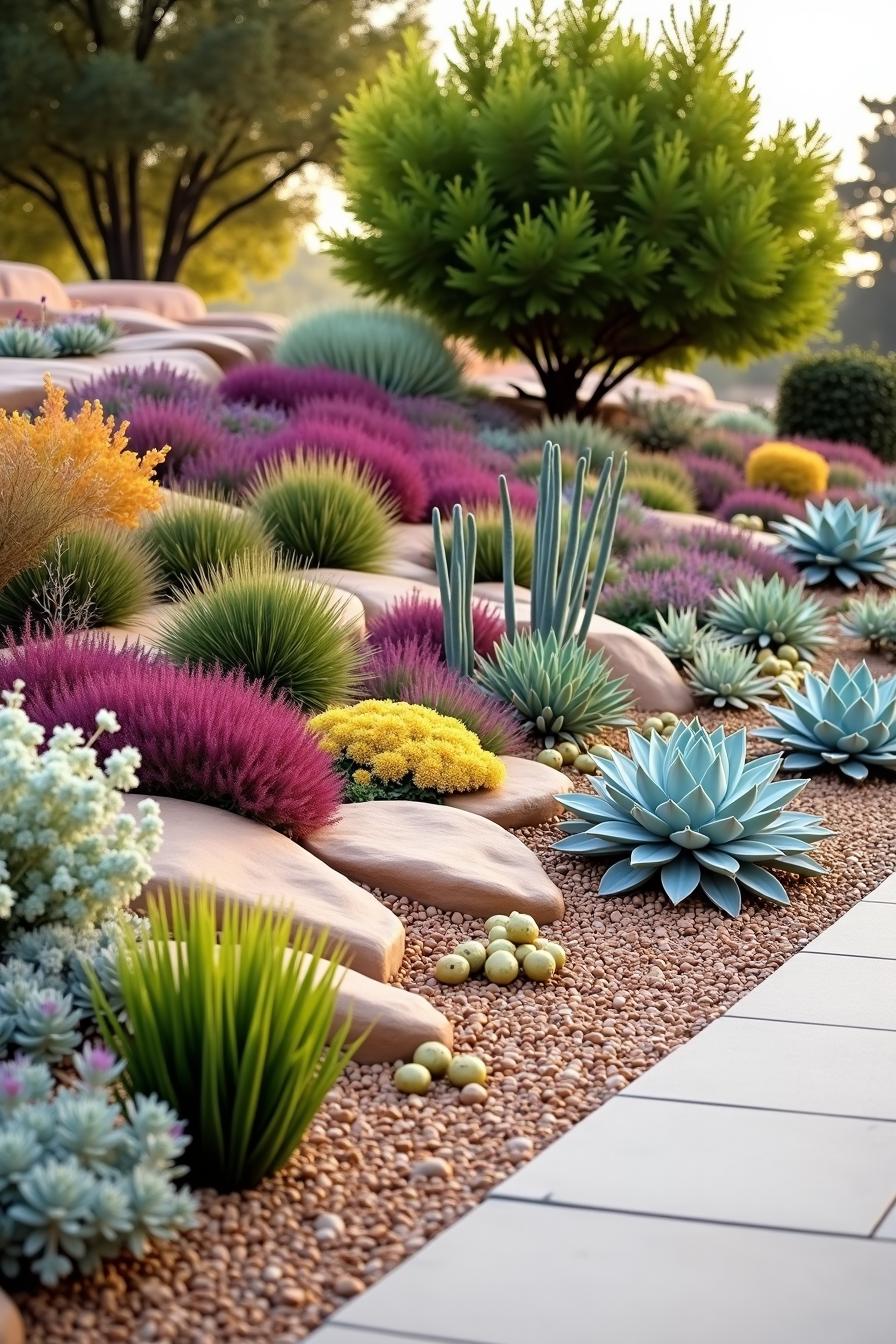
{"points": [[728, 675], [691, 813], [847, 720], [838, 541], [765, 613]]}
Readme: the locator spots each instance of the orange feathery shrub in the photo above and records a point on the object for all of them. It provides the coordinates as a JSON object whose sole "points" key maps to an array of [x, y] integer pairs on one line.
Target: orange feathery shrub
{"points": [[58, 474]]}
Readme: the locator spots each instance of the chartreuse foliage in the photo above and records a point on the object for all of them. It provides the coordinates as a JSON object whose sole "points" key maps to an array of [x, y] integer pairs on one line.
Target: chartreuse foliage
{"points": [[786, 466], [233, 1026], [588, 196], [847, 720], [694, 815]]}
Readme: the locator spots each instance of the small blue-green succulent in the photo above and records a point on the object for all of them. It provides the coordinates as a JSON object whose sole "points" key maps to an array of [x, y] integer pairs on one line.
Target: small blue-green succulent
{"points": [[847, 720], [693, 814], [872, 618], [766, 613], [82, 336], [677, 633], [19, 340], [838, 541], [728, 676]]}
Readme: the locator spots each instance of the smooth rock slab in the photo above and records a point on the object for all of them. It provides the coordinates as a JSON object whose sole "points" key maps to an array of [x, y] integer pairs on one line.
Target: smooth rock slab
{"points": [[438, 856], [11, 1329], [249, 862], [526, 798]]}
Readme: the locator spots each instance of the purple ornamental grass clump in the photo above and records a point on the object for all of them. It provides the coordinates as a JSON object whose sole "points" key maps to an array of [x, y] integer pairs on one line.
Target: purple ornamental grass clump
{"points": [[413, 672], [418, 620], [377, 422], [188, 430], [289, 388], [208, 737], [693, 581], [229, 466], [434, 413], [440, 441], [761, 559], [453, 479], [769, 505], [242, 417], [119, 389], [713, 479]]}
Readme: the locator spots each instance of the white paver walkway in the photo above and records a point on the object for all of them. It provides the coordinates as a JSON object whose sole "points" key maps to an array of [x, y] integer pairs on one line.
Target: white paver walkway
{"points": [[742, 1191]]}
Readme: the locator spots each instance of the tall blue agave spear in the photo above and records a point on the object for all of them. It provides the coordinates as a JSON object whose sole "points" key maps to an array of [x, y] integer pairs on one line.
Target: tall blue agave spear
{"points": [[559, 574], [456, 587]]}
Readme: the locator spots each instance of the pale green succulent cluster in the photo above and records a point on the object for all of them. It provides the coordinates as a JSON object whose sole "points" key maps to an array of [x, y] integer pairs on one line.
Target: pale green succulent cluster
{"points": [[766, 613], [18, 340], [728, 675], [847, 720], [872, 618], [82, 1179], [677, 633], [57, 340], [692, 814], [67, 850], [838, 542]]}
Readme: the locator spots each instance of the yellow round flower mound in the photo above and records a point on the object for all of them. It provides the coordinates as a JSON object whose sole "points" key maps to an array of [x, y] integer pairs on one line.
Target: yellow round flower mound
{"points": [[786, 466], [391, 739]]}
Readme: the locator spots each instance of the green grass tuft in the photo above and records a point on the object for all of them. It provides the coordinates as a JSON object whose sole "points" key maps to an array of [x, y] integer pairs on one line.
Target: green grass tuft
{"points": [[193, 535]]}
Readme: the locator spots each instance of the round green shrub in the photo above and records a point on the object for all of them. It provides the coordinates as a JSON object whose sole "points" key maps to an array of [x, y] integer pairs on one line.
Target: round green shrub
{"points": [[399, 352], [845, 476], [196, 534], [328, 512], [102, 576], [279, 629], [576, 437], [848, 396], [655, 492]]}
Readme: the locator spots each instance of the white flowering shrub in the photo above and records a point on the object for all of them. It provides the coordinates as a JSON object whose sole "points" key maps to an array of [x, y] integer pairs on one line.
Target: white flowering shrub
{"points": [[67, 851]]}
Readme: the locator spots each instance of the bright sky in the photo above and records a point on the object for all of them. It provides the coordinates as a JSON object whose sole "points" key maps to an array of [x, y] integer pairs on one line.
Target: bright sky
{"points": [[811, 60]]}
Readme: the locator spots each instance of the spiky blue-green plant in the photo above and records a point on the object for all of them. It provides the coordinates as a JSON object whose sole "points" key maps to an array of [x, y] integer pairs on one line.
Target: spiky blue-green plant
{"points": [[728, 676], [766, 613], [693, 815], [82, 337], [19, 341], [742, 422], [677, 633], [561, 691], [564, 565], [872, 618], [847, 720], [456, 577], [837, 541]]}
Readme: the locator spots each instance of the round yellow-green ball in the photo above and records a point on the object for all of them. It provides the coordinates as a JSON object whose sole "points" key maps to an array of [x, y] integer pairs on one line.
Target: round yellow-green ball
{"points": [[789, 653], [434, 1057], [465, 1069], [550, 757], [452, 970], [412, 1078], [499, 945], [473, 952], [602, 752], [501, 967], [539, 965], [585, 764], [653, 724], [568, 752], [555, 949], [522, 929], [669, 718]]}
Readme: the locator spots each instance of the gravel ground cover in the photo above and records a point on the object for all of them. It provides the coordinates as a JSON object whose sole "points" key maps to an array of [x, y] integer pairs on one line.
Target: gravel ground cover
{"points": [[379, 1173]]}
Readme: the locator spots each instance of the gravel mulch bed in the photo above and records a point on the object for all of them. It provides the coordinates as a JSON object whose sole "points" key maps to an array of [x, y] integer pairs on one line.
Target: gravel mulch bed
{"points": [[379, 1174]]}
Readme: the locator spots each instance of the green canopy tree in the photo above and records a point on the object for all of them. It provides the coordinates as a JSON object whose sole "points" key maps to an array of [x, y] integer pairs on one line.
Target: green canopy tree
{"points": [[588, 198], [143, 136]]}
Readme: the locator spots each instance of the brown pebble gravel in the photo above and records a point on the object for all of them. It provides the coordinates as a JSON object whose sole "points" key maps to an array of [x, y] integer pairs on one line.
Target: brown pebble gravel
{"points": [[379, 1173]]}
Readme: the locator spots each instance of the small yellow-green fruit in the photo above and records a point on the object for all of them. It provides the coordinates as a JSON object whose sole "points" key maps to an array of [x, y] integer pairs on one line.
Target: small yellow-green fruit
{"points": [[412, 1078], [653, 724], [502, 967], [788, 653], [556, 951], [539, 965], [498, 932], [550, 757], [773, 667], [568, 752], [739, 519], [499, 945], [602, 752], [465, 1069], [668, 730], [493, 920], [434, 1056], [764, 654], [522, 929], [452, 970], [585, 764], [757, 523], [801, 665], [669, 718], [522, 951], [473, 952]]}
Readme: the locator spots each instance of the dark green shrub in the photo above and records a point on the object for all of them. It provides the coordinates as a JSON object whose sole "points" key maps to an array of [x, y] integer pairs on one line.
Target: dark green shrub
{"points": [[191, 536], [848, 396]]}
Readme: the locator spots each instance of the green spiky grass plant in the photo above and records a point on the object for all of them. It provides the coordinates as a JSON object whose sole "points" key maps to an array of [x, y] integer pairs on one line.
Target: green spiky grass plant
{"points": [[274, 625], [236, 1029], [677, 633], [328, 512], [766, 613], [193, 535], [728, 676], [871, 618], [101, 576], [656, 492]]}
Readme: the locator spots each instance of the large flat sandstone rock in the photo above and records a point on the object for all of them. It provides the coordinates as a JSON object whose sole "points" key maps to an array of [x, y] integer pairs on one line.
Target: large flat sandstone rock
{"points": [[11, 1329], [398, 1020], [526, 798], [248, 862], [438, 856]]}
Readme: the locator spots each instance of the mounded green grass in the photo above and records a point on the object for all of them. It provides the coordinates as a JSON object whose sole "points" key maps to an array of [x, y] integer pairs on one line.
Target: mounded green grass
{"points": [[191, 536]]}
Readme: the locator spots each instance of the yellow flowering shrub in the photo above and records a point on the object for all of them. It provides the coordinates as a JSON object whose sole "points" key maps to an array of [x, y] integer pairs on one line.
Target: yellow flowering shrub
{"points": [[786, 466], [58, 474], [388, 741]]}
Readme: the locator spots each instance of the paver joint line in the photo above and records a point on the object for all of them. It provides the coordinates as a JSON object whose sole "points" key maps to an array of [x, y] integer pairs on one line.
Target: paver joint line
{"points": [[805, 1022], [399, 1334], [777, 1110]]}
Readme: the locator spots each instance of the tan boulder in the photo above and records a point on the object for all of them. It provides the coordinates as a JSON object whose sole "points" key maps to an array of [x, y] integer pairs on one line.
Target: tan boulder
{"points": [[526, 798], [12, 1330], [413, 541], [439, 856], [399, 1020], [376, 592], [249, 862]]}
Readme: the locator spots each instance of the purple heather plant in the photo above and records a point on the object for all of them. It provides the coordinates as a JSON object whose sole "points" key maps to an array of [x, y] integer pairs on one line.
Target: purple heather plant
{"points": [[413, 672], [453, 479], [713, 479], [434, 413], [209, 737], [688, 578], [418, 620], [769, 505], [230, 466], [443, 440], [241, 417], [119, 390], [378, 422], [289, 388], [187, 429]]}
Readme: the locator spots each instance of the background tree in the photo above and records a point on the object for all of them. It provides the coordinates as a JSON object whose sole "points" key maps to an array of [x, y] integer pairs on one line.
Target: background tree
{"points": [[869, 308], [141, 136], [589, 199]]}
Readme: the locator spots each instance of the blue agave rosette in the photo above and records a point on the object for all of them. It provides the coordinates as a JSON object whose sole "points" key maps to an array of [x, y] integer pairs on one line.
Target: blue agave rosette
{"points": [[694, 815], [842, 542]]}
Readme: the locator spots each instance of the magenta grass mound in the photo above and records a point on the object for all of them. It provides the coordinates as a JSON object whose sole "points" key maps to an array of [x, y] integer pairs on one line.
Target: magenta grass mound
{"points": [[208, 737], [434, 413], [119, 389], [187, 430], [769, 505], [275, 385], [396, 469], [407, 670], [230, 466], [713, 479], [378, 422], [453, 479], [442, 439], [418, 620]]}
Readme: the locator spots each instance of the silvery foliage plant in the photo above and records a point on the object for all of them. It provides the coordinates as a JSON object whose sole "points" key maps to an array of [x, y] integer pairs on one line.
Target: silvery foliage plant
{"points": [[81, 1178], [67, 850]]}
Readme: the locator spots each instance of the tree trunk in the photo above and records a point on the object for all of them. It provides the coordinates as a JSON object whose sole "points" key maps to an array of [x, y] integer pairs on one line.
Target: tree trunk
{"points": [[561, 389]]}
